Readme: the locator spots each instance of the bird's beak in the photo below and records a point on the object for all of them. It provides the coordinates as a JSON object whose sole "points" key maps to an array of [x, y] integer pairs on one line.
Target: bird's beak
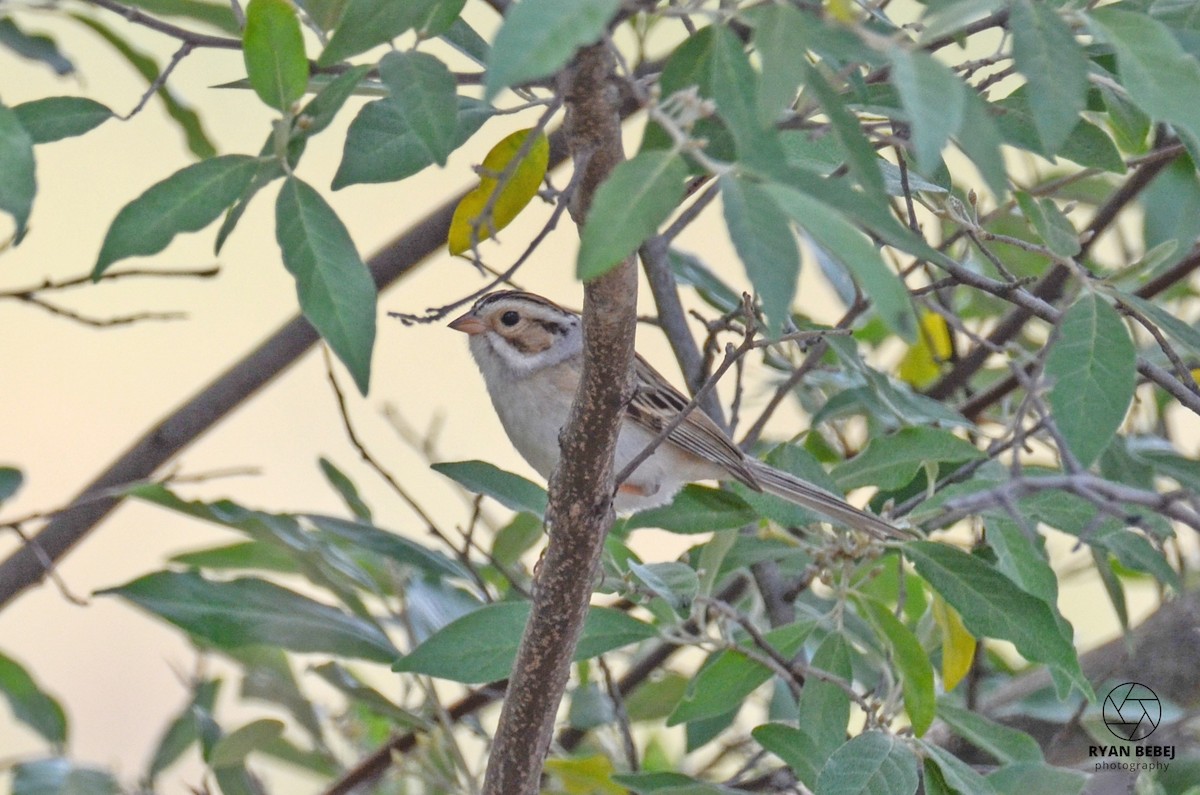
{"points": [[468, 324]]}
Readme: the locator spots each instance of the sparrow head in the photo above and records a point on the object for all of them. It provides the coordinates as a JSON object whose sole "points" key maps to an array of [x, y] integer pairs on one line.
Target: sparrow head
{"points": [[525, 330]]}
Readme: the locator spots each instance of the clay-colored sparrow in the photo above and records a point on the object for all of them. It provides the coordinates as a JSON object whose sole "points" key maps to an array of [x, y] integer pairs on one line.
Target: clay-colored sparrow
{"points": [[530, 352]]}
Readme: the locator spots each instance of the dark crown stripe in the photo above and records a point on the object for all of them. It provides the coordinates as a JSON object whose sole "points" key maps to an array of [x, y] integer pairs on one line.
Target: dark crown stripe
{"points": [[502, 295]]}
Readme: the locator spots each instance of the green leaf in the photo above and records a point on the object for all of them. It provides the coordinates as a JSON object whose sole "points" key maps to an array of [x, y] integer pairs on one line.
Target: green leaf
{"points": [[352, 686], [729, 676], [1051, 225], [243, 555], [439, 18], [186, 201], [216, 14], [511, 491], [1037, 778], [1087, 144], [55, 118], [669, 783], [860, 154], [1022, 558], [689, 66], [233, 748], [793, 746], [855, 252], [765, 244], [991, 605], [33, 47], [676, 583], [481, 646], [187, 119], [696, 509], [324, 13], [655, 698], [247, 612], [18, 182], [10, 480], [628, 207], [1006, 744], [30, 704], [1182, 332], [365, 537], [777, 28], [1112, 586], [979, 138], [270, 168], [381, 146], [823, 711], [690, 270], [61, 777], [1160, 76], [423, 90], [273, 49], [1051, 60], [891, 462], [957, 775], [321, 109], [538, 37], [183, 730], [735, 89], [873, 763], [1093, 368], [335, 288], [1135, 552], [367, 23], [933, 99], [268, 676], [345, 487], [912, 663], [462, 37], [516, 538]]}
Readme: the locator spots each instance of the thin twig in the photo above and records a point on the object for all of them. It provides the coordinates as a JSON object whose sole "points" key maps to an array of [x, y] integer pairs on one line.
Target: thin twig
{"points": [[434, 314], [191, 37]]}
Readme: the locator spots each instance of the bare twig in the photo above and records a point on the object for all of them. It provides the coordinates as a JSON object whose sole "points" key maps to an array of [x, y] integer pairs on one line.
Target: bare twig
{"points": [[191, 37], [434, 314]]}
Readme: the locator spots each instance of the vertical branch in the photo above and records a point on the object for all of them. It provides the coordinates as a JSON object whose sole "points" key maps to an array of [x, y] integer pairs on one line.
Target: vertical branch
{"points": [[581, 489]]}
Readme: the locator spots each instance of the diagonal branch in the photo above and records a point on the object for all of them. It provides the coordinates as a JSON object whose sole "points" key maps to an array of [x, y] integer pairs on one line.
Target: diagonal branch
{"points": [[207, 407], [1050, 288]]}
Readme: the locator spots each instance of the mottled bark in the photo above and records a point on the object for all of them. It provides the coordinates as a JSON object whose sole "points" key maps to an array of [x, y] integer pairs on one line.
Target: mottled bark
{"points": [[581, 489]]}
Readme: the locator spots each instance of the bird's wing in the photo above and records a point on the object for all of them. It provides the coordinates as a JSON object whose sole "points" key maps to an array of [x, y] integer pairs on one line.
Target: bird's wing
{"points": [[655, 403]]}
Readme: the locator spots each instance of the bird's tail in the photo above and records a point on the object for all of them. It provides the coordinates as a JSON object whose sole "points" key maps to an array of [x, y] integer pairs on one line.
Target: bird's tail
{"points": [[792, 489]]}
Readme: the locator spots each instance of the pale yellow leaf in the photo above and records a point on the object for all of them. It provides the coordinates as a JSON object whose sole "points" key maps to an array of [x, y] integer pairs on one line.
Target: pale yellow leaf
{"points": [[517, 191], [921, 364], [958, 645], [586, 775]]}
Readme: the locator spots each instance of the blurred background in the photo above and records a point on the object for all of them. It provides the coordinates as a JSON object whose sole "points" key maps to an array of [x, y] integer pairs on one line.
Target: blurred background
{"points": [[73, 397]]}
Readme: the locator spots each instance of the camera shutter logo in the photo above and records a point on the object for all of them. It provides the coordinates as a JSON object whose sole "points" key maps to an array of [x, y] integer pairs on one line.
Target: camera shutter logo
{"points": [[1132, 711]]}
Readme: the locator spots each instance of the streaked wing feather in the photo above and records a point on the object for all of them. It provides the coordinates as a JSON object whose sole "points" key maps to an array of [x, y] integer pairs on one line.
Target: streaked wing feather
{"points": [[655, 403]]}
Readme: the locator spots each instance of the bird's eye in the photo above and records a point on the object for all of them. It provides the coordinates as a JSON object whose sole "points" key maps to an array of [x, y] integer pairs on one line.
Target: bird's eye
{"points": [[510, 318]]}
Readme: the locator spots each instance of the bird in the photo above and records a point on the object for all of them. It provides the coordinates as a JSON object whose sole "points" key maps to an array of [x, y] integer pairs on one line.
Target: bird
{"points": [[530, 353]]}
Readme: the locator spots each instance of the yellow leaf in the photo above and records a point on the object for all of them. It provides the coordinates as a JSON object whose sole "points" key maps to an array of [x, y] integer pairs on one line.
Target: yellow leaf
{"points": [[514, 194], [958, 645], [842, 11], [921, 364], [586, 775]]}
